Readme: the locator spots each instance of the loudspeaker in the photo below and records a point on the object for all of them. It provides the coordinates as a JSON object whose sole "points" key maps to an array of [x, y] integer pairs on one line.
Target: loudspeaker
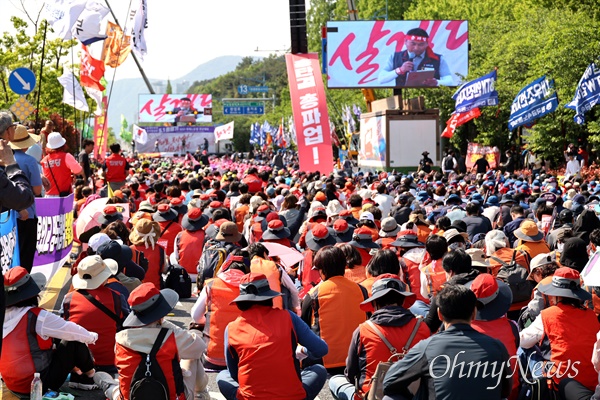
{"points": [[298, 26]]}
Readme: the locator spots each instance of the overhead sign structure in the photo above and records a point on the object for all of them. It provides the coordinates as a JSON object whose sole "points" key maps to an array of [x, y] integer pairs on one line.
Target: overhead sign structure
{"points": [[22, 108], [243, 108], [245, 89], [21, 81]]}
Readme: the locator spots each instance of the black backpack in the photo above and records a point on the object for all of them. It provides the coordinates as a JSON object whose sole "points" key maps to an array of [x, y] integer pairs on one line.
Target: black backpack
{"points": [[149, 381], [515, 276], [448, 163], [214, 255], [179, 280]]}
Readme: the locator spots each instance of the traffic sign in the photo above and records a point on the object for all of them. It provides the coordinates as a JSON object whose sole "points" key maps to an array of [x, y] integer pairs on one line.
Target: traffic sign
{"points": [[21, 81], [245, 89], [227, 103], [22, 108], [243, 109]]}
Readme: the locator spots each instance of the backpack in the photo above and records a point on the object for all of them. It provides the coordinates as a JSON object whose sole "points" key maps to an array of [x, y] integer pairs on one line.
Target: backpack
{"points": [[448, 163], [213, 256], [515, 276], [149, 381], [179, 280], [376, 391]]}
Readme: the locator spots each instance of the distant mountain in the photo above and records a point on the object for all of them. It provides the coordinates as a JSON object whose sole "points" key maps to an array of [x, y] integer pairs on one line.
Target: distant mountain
{"points": [[124, 96]]}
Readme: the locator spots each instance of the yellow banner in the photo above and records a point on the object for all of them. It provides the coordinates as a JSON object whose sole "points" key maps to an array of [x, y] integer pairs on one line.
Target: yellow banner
{"points": [[116, 46]]}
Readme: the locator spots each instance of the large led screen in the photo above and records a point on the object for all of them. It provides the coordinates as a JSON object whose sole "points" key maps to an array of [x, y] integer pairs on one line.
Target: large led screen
{"points": [[175, 108]]}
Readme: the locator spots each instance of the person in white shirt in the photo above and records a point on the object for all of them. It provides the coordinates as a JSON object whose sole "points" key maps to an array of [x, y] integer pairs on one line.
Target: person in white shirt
{"points": [[573, 167], [385, 201]]}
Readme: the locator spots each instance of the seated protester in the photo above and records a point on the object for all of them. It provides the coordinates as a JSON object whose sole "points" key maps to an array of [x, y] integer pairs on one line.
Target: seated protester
{"points": [[456, 239], [556, 324], [433, 275], [144, 237], [96, 307], [321, 306], [317, 238], [476, 223], [109, 214], [543, 267], [279, 280], [530, 239], [122, 255], [383, 262], [459, 270], [174, 352], [277, 232], [255, 230], [423, 230], [411, 253], [215, 309], [367, 220], [439, 378], [387, 233], [145, 211], [354, 270], [498, 249], [493, 302], [574, 254], [176, 204], [263, 346], [169, 227], [392, 320], [317, 217], [28, 333], [362, 240], [189, 243], [343, 231]]}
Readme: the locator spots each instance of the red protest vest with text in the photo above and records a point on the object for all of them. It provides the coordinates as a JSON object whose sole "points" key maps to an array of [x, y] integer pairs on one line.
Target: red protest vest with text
{"points": [[128, 361], [24, 352], [190, 245], [265, 342], [60, 177], [254, 183], [155, 264], [219, 313], [269, 269], [572, 335], [115, 168], [412, 273], [309, 277]]}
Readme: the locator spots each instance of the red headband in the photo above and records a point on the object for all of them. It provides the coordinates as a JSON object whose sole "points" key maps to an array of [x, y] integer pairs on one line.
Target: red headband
{"points": [[417, 38]]}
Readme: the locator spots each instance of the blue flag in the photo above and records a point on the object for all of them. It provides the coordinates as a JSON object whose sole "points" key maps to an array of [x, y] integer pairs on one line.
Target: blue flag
{"points": [[587, 93], [477, 93], [533, 101], [254, 135]]}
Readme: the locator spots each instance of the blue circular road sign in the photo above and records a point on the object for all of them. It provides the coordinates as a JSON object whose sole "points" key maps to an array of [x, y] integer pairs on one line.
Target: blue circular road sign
{"points": [[21, 81]]}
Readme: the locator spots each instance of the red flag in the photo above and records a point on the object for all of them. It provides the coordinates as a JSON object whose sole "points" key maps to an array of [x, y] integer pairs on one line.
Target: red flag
{"points": [[459, 119], [92, 70]]}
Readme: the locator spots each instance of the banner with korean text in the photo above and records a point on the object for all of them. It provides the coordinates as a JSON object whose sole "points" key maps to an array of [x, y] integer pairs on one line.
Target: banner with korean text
{"points": [[532, 102], [311, 117], [177, 139], [101, 132], [175, 108], [9, 240], [224, 132]]}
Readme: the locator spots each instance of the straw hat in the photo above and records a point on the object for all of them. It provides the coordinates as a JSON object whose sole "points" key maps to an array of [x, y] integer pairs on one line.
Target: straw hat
{"points": [[529, 232], [145, 233], [23, 139]]}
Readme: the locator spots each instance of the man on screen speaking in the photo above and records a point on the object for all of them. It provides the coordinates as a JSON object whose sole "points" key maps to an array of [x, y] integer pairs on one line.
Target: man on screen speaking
{"points": [[418, 56]]}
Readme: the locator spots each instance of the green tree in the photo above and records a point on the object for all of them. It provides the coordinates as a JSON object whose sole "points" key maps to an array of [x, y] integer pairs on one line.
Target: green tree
{"points": [[169, 89]]}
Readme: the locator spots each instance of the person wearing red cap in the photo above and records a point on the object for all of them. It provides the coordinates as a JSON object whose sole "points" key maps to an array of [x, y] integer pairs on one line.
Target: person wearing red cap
{"points": [[318, 237], [277, 232], [321, 306], [263, 346], [362, 240], [569, 327], [256, 231], [189, 243], [391, 320], [28, 332], [169, 227]]}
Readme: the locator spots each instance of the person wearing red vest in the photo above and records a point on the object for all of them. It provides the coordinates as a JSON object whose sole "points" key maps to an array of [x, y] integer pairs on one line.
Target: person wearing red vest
{"points": [[29, 331], [569, 327], [387, 233], [115, 168], [256, 231], [96, 307], [277, 232], [57, 167], [321, 308], [317, 238], [178, 355], [144, 238], [263, 346], [391, 318], [495, 299], [362, 240], [253, 181], [169, 227], [411, 253], [189, 243], [214, 308]]}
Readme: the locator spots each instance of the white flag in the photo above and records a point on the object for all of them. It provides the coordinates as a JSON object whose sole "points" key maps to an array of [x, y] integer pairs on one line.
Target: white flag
{"points": [[140, 135], [224, 132], [96, 95], [73, 94], [87, 25], [139, 18], [62, 15]]}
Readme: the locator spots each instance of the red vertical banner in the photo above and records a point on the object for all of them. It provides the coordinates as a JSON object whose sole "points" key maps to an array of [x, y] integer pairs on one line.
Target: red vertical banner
{"points": [[101, 133], [311, 118]]}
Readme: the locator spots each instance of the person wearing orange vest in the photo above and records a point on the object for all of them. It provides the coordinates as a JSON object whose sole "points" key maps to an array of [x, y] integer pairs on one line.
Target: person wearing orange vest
{"points": [[321, 308], [391, 318], [264, 346], [215, 309], [383, 262], [96, 307], [530, 239], [433, 275], [169, 227], [144, 237], [387, 233], [174, 352], [317, 238], [569, 327], [115, 168], [29, 331], [495, 299], [355, 271], [362, 240], [57, 167], [189, 243]]}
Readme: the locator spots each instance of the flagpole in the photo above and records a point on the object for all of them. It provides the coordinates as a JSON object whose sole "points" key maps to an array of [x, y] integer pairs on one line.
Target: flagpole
{"points": [[37, 114], [137, 62]]}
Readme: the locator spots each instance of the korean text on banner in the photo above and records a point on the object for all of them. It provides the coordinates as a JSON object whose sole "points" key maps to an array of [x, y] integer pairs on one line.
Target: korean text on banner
{"points": [[224, 132], [101, 133], [309, 107], [475, 151], [587, 94], [479, 92], [55, 233], [532, 102], [9, 243], [458, 119]]}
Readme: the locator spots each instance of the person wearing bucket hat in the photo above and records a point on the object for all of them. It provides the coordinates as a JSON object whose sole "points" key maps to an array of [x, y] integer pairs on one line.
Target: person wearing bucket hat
{"points": [[176, 204], [321, 306], [318, 237], [343, 231], [574, 253], [109, 214], [531, 239], [179, 350], [556, 325], [391, 318], [169, 227], [144, 238], [267, 367], [362, 239], [189, 243], [58, 166], [96, 307], [130, 275], [478, 260], [28, 338], [228, 233], [277, 232], [387, 233]]}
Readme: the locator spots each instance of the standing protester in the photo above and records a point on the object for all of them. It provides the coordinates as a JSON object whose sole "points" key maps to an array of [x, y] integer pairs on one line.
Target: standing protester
{"points": [[425, 163], [57, 166], [84, 159], [115, 168]]}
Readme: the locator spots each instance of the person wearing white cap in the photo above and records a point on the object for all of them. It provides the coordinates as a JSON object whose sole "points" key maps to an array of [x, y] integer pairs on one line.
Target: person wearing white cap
{"points": [[57, 167]]}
